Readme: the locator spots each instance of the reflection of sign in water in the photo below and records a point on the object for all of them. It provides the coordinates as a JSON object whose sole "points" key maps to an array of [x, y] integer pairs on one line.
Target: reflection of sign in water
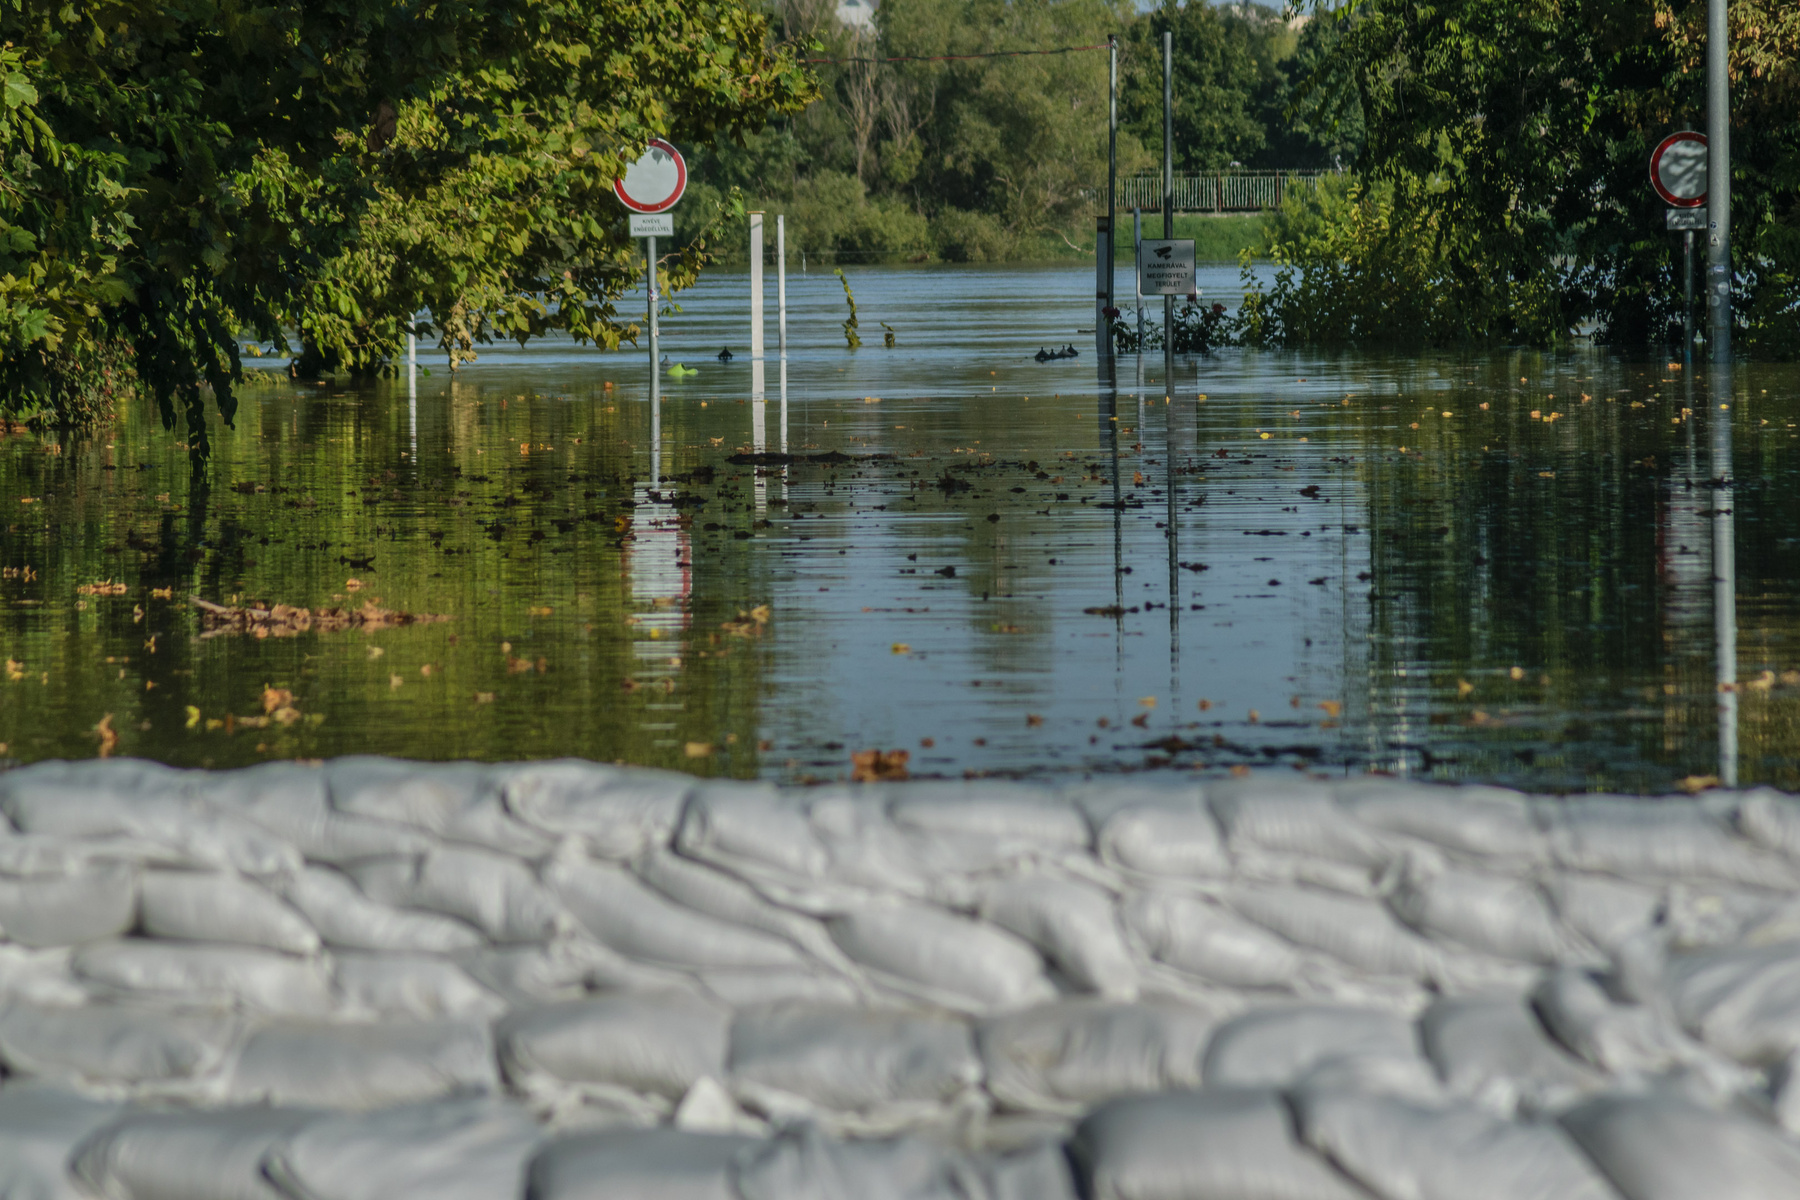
{"points": [[1166, 268], [654, 182], [1678, 169]]}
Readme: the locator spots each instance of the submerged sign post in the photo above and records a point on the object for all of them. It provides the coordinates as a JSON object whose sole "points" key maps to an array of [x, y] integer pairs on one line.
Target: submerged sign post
{"points": [[650, 189], [1166, 267], [1678, 173]]}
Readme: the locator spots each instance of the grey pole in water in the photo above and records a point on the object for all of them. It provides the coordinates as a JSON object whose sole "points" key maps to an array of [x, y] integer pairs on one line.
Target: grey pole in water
{"points": [[1112, 181], [655, 369], [1168, 199], [781, 284], [1718, 182], [1724, 554]]}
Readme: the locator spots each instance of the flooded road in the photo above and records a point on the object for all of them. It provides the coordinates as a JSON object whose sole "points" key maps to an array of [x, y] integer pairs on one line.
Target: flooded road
{"points": [[1495, 566]]}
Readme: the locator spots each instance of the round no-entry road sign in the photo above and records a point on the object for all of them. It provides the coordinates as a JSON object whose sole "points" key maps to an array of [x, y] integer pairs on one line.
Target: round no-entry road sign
{"points": [[654, 182], [1678, 169]]}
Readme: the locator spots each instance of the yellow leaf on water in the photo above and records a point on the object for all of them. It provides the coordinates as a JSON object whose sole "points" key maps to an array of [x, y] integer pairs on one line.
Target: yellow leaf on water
{"points": [[351, 585], [901, 648], [699, 749], [1148, 702], [1464, 687], [1517, 672], [394, 681], [193, 716], [541, 610], [1332, 708], [484, 697]]}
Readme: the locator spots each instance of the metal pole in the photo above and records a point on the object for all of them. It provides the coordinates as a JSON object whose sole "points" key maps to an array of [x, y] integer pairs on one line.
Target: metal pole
{"points": [[1687, 297], [1168, 188], [756, 285], [412, 353], [1112, 165], [1102, 269], [650, 287], [1137, 281], [1718, 181], [781, 282]]}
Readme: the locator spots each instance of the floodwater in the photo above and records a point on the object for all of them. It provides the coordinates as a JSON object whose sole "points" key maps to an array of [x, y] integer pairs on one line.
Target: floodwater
{"points": [[1561, 572]]}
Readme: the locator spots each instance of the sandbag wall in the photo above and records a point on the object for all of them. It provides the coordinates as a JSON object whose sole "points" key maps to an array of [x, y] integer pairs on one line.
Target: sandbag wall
{"points": [[561, 980]]}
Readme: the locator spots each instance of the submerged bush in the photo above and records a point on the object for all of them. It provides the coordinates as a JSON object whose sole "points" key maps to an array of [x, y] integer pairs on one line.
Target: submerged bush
{"points": [[69, 388]]}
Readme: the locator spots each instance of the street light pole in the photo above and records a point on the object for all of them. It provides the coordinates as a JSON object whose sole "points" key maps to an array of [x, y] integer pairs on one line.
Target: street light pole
{"points": [[1718, 180]]}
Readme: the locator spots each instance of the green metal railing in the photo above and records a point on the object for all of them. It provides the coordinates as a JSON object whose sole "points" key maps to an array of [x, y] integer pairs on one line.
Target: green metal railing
{"points": [[1214, 191]]}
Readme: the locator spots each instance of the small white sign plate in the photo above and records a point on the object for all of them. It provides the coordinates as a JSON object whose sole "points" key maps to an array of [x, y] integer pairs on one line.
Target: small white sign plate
{"points": [[1166, 268], [1685, 218], [653, 224]]}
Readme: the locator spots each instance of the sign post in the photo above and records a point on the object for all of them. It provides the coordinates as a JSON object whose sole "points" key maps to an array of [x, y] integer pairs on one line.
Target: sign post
{"points": [[1166, 267], [1678, 172], [650, 188]]}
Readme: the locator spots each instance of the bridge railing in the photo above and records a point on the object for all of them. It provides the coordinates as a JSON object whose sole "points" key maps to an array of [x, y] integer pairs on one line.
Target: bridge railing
{"points": [[1213, 191]]}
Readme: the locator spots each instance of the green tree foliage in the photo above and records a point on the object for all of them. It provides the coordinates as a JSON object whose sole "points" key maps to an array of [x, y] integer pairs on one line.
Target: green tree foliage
{"points": [[179, 172], [1506, 153]]}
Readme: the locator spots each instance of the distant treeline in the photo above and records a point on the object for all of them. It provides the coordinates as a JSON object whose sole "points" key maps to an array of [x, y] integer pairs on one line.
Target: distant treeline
{"points": [[1002, 158]]}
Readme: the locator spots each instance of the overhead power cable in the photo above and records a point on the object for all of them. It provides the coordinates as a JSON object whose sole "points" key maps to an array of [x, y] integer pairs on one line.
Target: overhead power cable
{"points": [[959, 57]]}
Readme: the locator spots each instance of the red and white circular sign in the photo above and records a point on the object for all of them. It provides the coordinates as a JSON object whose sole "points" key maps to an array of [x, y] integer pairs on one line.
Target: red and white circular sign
{"points": [[654, 182], [1678, 169]]}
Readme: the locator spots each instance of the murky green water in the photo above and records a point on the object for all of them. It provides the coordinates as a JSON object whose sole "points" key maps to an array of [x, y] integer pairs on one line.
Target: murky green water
{"points": [[1496, 566]]}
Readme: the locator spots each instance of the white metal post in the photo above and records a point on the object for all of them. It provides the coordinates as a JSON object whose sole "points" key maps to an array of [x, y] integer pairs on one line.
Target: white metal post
{"points": [[781, 283], [655, 368], [1718, 181], [756, 285]]}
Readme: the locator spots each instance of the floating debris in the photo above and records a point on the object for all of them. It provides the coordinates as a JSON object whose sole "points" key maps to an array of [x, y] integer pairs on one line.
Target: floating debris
{"points": [[287, 620]]}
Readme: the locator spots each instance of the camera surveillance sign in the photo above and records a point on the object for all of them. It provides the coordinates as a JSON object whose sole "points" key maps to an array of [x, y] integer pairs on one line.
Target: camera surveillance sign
{"points": [[1166, 268]]}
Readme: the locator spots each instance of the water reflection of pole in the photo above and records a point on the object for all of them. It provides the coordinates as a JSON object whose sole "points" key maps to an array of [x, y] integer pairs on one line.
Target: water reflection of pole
{"points": [[412, 410], [1724, 549], [759, 434], [1109, 427], [784, 440], [1174, 550]]}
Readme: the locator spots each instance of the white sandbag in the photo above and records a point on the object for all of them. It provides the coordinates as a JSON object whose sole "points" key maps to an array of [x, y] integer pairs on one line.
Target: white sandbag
{"points": [[1276, 1046], [803, 1164], [656, 1043], [616, 907], [1579, 1013], [457, 801], [800, 1060], [1293, 816], [1705, 913], [496, 894], [1402, 1150], [1505, 917], [213, 906], [1657, 840], [1351, 929], [1658, 1147], [1006, 815], [187, 1155], [870, 855], [1492, 1049], [742, 987], [617, 812], [107, 1044], [1202, 939], [1770, 819], [388, 986], [1067, 1056], [1039, 1172], [1180, 843], [644, 1164], [1743, 1001], [97, 902], [292, 801], [959, 962], [145, 803], [821, 854], [262, 980], [1072, 923], [713, 893], [1480, 822], [1607, 912], [450, 1150], [344, 916], [1217, 1144], [38, 855], [565, 969], [40, 976], [364, 1066], [40, 1127]]}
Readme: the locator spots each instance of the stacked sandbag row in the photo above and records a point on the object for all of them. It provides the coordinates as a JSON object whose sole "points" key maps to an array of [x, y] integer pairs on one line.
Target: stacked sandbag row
{"points": [[265, 982]]}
